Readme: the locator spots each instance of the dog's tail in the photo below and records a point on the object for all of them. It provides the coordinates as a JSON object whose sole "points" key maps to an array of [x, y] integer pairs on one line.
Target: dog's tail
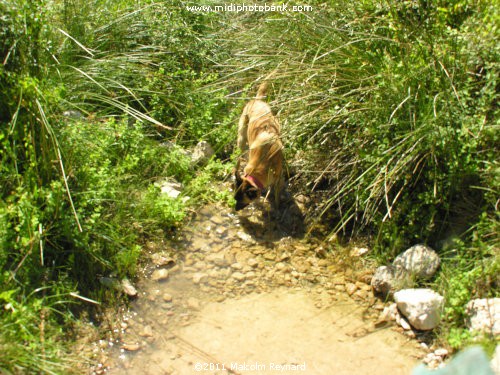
{"points": [[262, 91]]}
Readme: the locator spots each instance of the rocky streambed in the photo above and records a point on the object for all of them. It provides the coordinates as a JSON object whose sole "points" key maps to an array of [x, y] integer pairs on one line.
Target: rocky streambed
{"points": [[250, 294]]}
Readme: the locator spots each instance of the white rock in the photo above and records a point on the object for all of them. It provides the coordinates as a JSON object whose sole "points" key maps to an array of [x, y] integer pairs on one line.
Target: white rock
{"points": [[128, 288], [404, 324], [171, 189], [422, 307], [159, 275], [162, 259], [359, 251], [420, 261], [442, 352], [245, 237], [202, 152], [484, 315], [390, 313]]}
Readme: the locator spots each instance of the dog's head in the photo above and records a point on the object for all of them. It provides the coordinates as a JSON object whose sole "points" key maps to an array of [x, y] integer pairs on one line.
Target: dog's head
{"points": [[245, 191]]}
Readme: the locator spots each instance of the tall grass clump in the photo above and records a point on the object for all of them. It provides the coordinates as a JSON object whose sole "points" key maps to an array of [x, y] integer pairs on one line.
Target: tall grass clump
{"points": [[395, 105], [34, 198], [150, 60]]}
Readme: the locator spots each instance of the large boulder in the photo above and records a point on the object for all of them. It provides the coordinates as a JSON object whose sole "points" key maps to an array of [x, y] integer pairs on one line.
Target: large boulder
{"points": [[484, 315], [422, 307], [419, 261], [388, 279]]}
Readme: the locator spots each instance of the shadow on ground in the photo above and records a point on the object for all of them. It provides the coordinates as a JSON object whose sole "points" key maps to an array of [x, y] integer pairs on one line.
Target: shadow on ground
{"points": [[266, 223]]}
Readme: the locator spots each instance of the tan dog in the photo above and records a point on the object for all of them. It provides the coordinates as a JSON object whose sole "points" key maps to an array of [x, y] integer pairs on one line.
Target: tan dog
{"points": [[259, 133]]}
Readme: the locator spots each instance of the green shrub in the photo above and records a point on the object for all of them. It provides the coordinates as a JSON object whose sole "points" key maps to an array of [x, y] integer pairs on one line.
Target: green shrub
{"points": [[77, 196]]}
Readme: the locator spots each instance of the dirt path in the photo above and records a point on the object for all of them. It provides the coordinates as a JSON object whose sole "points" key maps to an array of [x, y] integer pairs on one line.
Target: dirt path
{"points": [[248, 296]]}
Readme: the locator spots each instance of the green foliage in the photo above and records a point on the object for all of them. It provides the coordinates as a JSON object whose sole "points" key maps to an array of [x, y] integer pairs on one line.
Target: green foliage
{"points": [[77, 196], [112, 166], [31, 340], [205, 187], [469, 270]]}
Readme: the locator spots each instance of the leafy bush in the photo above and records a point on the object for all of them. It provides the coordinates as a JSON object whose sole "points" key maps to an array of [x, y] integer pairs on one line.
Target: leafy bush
{"points": [[77, 196]]}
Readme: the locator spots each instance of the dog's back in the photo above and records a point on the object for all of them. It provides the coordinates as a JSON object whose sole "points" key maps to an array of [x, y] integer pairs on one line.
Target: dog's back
{"points": [[259, 134], [257, 118]]}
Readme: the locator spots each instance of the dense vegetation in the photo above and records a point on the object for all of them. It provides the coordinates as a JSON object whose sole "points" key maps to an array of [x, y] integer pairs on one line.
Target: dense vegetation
{"points": [[390, 110]]}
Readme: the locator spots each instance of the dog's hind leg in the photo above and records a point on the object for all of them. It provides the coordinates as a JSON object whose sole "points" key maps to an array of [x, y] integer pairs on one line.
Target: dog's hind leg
{"points": [[277, 190]]}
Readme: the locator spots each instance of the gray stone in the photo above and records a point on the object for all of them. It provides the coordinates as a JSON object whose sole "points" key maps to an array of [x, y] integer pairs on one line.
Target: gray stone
{"points": [[484, 315], [110, 282], [422, 307], [124, 285], [419, 261], [388, 279], [73, 114], [202, 152]]}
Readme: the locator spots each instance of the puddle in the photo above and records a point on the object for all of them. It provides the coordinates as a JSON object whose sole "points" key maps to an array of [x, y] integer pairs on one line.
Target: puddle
{"points": [[249, 295]]}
